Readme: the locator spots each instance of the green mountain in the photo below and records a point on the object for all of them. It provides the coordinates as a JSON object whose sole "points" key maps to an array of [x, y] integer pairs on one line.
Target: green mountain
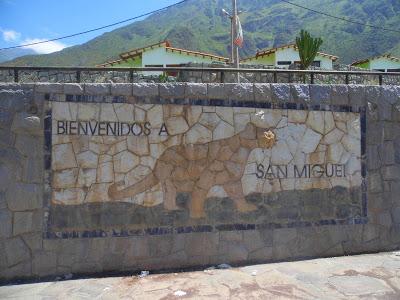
{"points": [[9, 54], [200, 25]]}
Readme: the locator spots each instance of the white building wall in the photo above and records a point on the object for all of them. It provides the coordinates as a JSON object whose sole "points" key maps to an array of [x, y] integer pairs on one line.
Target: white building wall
{"points": [[292, 55], [383, 63], [160, 56]]}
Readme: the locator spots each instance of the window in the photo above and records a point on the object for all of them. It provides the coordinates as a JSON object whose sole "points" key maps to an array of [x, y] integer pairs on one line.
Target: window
{"points": [[154, 66], [170, 73], [393, 70], [316, 63], [284, 63], [379, 70]]}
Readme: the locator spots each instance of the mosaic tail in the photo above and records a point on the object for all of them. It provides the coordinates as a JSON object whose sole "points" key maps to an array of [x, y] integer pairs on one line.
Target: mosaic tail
{"points": [[133, 190]]}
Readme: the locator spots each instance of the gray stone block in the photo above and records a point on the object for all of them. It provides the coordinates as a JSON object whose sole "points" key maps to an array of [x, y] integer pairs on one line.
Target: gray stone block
{"points": [[22, 197], [25, 123], [387, 152], [33, 170], [370, 232], [102, 89], [160, 245], [51, 88], [29, 145], [16, 251], [375, 133], [390, 93], [23, 222], [284, 236], [34, 240], [11, 165], [357, 95], [320, 94], [145, 90], [262, 92], [384, 110], [196, 90], [391, 172], [233, 252], [121, 89], [172, 90], [6, 136], [6, 117], [375, 182], [73, 89], [300, 93], [252, 240], [13, 100], [396, 214], [372, 93], [21, 270], [261, 255], [340, 95], [200, 244], [281, 93], [240, 92], [216, 91], [385, 219], [5, 223], [231, 236], [44, 263]]}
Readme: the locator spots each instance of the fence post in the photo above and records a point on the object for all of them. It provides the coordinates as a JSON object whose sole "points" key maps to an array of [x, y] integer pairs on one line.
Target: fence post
{"points": [[312, 78], [16, 75], [275, 77], [380, 79], [78, 76], [222, 77], [131, 76], [347, 78]]}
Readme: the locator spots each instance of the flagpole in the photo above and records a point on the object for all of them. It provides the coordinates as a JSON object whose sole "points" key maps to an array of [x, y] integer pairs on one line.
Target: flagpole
{"points": [[236, 61]]}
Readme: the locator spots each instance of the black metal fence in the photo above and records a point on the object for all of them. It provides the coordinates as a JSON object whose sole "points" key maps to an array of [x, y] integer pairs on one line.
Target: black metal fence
{"points": [[192, 74]]}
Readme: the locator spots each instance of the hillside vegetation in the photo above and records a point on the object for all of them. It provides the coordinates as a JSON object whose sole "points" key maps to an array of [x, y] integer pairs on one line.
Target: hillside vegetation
{"points": [[199, 25]]}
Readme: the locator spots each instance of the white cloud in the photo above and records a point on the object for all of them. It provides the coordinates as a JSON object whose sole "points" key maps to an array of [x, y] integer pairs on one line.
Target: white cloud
{"points": [[44, 48], [10, 35]]}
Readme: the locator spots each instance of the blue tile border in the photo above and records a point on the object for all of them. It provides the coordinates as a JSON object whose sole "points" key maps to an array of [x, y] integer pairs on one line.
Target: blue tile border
{"points": [[160, 231]]}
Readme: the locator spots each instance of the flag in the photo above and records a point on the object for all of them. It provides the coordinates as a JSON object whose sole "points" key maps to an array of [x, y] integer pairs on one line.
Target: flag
{"points": [[239, 33]]}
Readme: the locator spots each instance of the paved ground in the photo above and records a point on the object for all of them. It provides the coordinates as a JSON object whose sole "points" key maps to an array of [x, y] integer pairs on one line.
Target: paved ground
{"points": [[375, 276]]}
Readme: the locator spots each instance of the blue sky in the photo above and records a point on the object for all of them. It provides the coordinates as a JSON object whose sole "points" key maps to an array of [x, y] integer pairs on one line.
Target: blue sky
{"points": [[25, 21]]}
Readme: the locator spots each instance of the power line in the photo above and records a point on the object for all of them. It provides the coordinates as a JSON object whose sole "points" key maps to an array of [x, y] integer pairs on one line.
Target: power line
{"points": [[341, 18], [96, 29]]}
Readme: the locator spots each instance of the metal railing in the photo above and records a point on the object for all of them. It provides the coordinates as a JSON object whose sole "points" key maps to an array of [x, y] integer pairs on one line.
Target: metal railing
{"points": [[177, 71]]}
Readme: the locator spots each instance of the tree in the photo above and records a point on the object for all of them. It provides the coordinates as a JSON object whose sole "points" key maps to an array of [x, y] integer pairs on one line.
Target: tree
{"points": [[308, 48]]}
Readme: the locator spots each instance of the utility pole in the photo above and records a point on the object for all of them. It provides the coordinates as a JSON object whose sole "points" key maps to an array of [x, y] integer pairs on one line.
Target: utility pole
{"points": [[235, 48], [235, 61]]}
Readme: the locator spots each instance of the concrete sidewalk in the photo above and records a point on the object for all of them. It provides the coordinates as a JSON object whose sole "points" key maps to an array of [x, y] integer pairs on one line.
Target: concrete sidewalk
{"points": [[374, 276]]}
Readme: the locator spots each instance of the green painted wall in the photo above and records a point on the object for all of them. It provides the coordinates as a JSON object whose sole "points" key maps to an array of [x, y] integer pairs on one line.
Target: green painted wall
{"points": [[366, 65]]}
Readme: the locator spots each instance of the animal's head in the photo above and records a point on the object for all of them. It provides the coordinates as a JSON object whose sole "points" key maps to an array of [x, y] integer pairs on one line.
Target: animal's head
{"points": [[265, 138]]}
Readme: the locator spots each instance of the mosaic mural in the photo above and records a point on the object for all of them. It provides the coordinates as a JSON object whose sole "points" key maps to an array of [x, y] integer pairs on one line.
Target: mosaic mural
{"points": [[175, 165]]}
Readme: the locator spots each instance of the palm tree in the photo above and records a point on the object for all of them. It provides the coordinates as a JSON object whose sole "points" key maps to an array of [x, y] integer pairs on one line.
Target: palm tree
{"points": [[308, 48]]}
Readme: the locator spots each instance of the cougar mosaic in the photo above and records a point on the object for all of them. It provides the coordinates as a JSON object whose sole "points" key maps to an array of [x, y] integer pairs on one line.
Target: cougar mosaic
{"points": [[196, 168]]}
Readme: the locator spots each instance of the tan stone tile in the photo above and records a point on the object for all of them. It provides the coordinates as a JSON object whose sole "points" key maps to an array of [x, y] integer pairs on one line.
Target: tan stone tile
{"points": [[65, 179], [177, 125], [63, 157], [105, 172], [73, 196], [193, 114], [138, 145], [86, 177]]}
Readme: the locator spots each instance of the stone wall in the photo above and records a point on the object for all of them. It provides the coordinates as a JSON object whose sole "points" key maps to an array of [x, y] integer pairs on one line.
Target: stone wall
{"points": [[99, 76], [36, 241]]}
